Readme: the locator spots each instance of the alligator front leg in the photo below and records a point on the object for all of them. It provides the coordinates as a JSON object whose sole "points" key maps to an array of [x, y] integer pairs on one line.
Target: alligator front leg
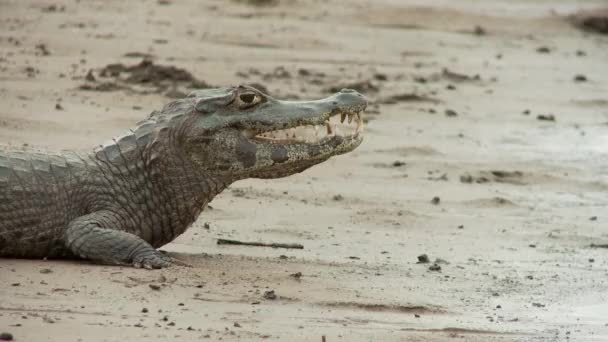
{"points": [[92, 237]]}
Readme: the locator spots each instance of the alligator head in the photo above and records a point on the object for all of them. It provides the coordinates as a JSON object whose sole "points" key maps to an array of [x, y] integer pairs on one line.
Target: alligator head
{"points": [[241, 132]]}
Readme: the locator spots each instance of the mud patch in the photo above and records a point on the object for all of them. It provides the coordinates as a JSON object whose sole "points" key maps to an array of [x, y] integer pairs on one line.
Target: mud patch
{"points": [[498, 176], [462, 331], [408, 97], [374, 307], [407, 151], [144, 78], [494, 202]]}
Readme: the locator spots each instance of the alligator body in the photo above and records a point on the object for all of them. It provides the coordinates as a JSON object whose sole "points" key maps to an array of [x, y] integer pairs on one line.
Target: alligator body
{"points": [[140, 191]]}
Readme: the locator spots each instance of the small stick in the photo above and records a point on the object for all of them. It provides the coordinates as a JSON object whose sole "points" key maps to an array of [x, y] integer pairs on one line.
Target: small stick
{"points": [[260, 244]]}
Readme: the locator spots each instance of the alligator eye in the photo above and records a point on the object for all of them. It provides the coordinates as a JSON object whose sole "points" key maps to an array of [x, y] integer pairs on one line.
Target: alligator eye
{"points": [[249, 100]]}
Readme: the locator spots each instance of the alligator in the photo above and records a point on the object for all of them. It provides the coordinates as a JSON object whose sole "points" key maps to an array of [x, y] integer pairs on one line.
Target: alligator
{"points": [[138, 192]]}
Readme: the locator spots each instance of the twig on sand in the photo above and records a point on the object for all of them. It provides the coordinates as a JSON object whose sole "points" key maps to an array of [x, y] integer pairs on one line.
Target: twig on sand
{"points": [[259, 244]]}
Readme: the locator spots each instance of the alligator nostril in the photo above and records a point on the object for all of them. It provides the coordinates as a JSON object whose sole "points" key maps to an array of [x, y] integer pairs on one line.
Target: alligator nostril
{"points": [[345, 90]]}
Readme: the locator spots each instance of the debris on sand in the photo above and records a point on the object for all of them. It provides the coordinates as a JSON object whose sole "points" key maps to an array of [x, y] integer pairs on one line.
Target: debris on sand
{"points": [[259, 244], [548, 117], [408, 97], [435, 268], [592, 20], [479, 31], [458, 77], [423, 259], [543, 49], [271, 295], [144, 78], [259, 2], [450, 113], [498, 176], [154, 287], [146, 72]]}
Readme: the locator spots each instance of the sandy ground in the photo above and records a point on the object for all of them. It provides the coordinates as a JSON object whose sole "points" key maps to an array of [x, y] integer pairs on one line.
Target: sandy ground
{"points": [[520, 200]]}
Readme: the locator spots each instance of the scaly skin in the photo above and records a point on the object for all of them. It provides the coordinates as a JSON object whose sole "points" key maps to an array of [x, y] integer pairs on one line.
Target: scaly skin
{"points": [[142, 190]]}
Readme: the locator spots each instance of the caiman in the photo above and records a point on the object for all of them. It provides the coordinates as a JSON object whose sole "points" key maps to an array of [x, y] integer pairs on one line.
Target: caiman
{"points": [[138, 192]]}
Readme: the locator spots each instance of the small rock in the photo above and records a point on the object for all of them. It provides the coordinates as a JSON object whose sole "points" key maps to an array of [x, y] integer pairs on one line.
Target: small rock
{"points": [[270, 295], [548, 117], [543, 49], [593, 218], [435, 267], [466, 178], [479, 31], [6, 336], [46, 271], [398, 163], [44, 51], [532, 245], [450, 87], [144, 310], [450, 113], [338, 197], [154, 287], [236, 325], [581, 53], [423, 259], [206, 225], [296, 275], [58, 106], [526, 112], [580, 78], [436, 200], [90, 77], [303, 72], [380, 77], [538, 305], [417, 315]]}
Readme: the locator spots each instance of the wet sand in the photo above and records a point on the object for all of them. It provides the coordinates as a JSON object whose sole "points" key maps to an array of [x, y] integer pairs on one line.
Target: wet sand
{"points": [[486, 149]]}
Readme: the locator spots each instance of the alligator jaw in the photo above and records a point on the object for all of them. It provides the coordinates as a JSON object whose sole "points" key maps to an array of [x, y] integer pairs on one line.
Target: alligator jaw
{"points": [[346, 125]]}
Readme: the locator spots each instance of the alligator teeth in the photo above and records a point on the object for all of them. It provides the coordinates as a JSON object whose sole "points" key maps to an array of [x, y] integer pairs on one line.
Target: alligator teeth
{"points": [[310, 133], [359, 124]]}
